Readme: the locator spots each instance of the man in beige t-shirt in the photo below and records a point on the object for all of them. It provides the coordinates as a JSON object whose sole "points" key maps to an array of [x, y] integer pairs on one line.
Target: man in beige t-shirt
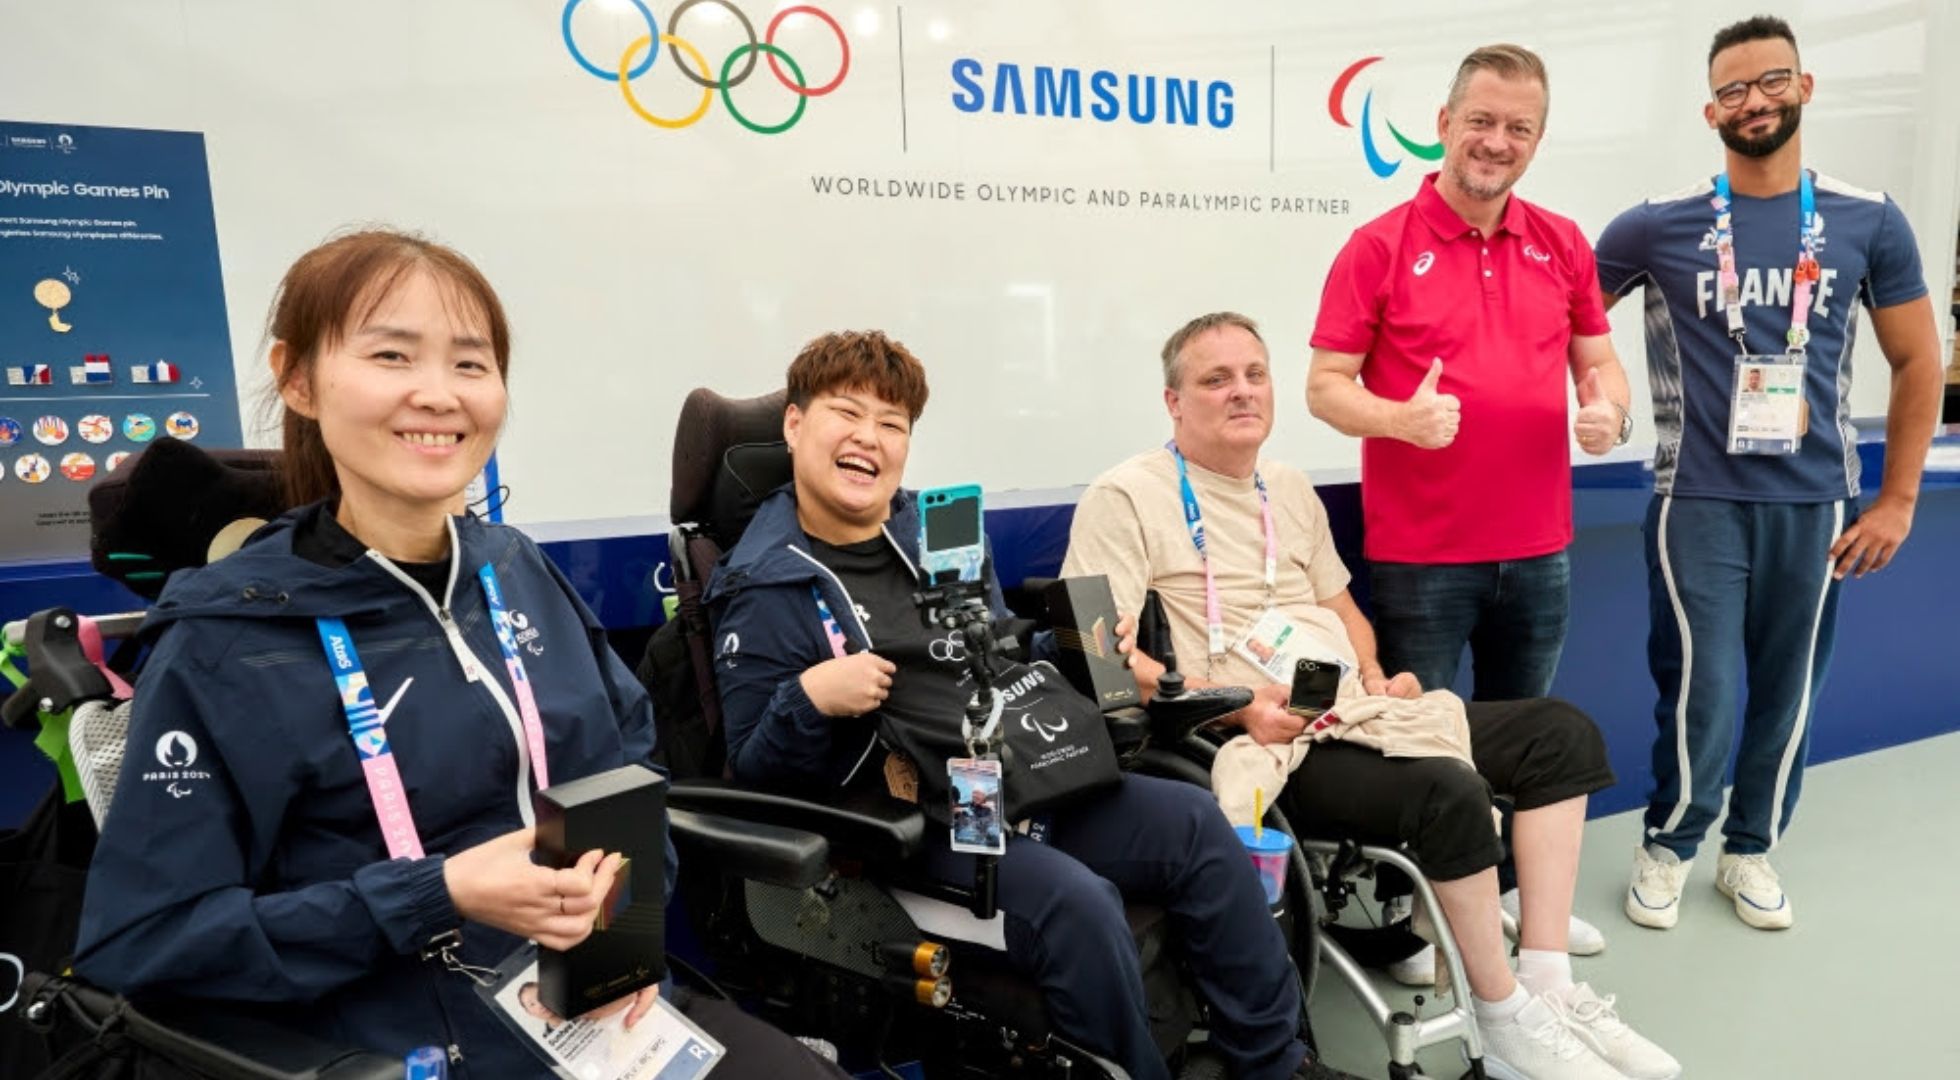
{"points": [[1246, 599]]}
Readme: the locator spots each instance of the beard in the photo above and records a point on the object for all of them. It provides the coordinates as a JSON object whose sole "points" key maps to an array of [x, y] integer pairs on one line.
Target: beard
{"points": [[1469, 184], [1789, 117]]}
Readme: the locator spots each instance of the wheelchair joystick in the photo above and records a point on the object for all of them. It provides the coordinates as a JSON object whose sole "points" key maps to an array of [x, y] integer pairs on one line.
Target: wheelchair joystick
{"points": [[1176, 710]]}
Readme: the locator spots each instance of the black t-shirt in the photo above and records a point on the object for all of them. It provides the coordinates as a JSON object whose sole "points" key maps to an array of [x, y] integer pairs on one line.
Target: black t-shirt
{"points": [[882, 589], [320, 538], [933, 682]]}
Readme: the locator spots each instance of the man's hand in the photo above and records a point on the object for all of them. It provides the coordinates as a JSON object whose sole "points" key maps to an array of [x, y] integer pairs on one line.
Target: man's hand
{"points": [[1267, 720], [1873, 539], [1429, 419], [1597, 426], [1126, 635], [1378, 684], [849, 685]]}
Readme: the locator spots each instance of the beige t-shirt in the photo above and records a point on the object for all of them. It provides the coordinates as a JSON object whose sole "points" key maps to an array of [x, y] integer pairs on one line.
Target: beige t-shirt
{"points": [[1129, 526]]}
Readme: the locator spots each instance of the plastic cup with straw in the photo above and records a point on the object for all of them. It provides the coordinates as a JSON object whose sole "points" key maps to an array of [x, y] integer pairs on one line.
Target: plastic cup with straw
{"points": [[1269, 849]]}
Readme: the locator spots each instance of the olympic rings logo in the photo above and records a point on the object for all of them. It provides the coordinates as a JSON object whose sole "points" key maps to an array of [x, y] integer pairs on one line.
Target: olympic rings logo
{"points": [[632, 65]]}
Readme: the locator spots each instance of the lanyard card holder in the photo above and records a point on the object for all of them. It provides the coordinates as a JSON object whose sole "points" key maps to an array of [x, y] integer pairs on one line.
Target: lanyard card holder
{"points": [[975, 785], [1767, 412]]}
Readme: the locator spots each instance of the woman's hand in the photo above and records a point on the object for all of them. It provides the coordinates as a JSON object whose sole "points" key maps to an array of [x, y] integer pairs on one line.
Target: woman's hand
{"points": [[849, 685], [497, 884], [637, 1004]]}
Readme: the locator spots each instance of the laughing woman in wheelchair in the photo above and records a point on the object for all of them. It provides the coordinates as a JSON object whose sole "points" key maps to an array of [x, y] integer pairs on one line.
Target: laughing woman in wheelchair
{"points": [[265, 870], [819, 636]]}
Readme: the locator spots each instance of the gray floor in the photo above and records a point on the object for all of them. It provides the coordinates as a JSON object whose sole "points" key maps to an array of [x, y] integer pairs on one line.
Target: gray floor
{"points": [[1860, 987]]}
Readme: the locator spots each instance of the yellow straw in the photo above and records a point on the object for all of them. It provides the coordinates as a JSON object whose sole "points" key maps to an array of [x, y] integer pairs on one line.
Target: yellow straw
{"points": [[1258, 815]]}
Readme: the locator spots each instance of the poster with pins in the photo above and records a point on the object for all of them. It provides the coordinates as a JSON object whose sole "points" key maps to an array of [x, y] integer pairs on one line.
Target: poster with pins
{"points": [[113, 331]]}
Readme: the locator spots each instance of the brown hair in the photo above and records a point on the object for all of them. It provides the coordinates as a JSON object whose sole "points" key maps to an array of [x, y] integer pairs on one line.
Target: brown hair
{"points": [[858, 360], [1174, 348], [332, 290], [1504, 61]]}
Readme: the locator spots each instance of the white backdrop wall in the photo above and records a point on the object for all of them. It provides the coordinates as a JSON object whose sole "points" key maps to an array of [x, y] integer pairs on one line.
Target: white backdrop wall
{"points": [[638, 262]]}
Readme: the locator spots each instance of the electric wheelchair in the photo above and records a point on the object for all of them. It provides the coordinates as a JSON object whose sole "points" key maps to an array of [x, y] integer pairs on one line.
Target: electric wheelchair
{"points": [[827, 951], [729, 455]]}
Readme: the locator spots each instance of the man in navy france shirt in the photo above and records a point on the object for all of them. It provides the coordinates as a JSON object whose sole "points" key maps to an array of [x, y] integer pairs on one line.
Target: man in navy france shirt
{"points": [[1742, 543]]}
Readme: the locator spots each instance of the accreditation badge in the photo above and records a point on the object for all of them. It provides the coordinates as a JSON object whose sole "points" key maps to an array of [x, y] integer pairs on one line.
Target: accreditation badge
{"points": [[975, 788], [1767, 411], [1276, 644]]}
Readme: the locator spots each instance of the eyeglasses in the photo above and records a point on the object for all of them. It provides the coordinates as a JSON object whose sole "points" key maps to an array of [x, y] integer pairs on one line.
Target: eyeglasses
{"points": [[1773, 83]]}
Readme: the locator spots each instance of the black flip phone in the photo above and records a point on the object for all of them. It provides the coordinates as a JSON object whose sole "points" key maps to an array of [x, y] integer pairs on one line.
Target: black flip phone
{"points": [[1315, 683]]}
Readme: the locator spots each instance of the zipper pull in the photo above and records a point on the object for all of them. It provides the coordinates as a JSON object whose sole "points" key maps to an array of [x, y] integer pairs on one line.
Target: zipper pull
{"points": [[455, 635]]}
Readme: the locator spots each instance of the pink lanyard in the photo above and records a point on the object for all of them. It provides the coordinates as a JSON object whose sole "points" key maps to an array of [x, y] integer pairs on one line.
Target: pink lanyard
{"points": [[1804, 277], [1194, 519]]}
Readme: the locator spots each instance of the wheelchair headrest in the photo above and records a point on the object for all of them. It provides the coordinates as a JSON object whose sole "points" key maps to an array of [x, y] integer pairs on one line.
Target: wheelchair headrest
{"points": [[159, 513], [728, 455]]}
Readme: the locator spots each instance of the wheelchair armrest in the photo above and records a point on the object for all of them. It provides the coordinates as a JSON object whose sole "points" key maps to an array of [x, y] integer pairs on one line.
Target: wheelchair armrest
{"points": [[752, 850], [211, 1038], [866, 825]]}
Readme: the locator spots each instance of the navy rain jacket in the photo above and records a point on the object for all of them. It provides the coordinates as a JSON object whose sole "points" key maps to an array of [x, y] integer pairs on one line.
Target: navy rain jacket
{"points": [[241, 858], [767, 634]]}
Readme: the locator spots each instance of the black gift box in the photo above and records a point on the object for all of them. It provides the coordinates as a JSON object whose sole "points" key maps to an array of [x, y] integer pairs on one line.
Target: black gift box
{"points": [[623, 810], [1084, 615]]}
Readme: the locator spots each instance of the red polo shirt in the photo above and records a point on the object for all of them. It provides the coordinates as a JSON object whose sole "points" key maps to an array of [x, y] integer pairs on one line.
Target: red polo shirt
{"points": [[1418, 284]]}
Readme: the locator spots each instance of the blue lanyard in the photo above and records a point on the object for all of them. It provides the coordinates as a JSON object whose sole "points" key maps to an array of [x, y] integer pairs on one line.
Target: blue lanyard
{"points": [[527, 702], [364, 726], [1806, 275], [832, 629], [1194, 520]]}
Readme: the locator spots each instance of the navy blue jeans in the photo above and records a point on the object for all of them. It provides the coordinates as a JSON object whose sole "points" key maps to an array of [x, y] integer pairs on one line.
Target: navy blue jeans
{"points": [[1512, 615], [1739, 593], [1162, 842]]}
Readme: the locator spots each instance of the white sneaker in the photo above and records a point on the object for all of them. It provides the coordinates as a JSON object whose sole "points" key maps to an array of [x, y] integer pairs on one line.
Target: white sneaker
{"points": [[1538, 1045], [1751, 882], [1594, 1021], [1417, 970], [1654, 895], [1581, 937]]}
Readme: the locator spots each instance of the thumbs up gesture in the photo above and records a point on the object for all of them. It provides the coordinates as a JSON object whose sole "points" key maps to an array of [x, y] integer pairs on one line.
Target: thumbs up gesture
{"points": [[1597, 426], [1429, 419]]}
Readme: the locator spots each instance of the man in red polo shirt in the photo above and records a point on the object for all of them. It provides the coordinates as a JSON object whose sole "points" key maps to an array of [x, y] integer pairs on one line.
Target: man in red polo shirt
{"points": [[1461, 311]]}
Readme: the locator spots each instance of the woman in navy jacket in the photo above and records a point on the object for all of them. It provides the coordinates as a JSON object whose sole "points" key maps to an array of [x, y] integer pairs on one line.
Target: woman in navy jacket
{"points": [[245, 856]]}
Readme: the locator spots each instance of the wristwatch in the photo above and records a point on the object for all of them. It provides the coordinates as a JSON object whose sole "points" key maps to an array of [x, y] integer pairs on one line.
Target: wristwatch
{"points": [[1626, 424]]}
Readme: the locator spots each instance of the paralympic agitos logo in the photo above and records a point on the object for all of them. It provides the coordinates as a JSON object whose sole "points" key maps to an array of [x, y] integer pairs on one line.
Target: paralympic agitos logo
{"points": [[1377, 164], [640, 56]]}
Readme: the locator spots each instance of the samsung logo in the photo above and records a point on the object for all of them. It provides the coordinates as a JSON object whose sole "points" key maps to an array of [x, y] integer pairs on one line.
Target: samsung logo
{"points": [[1104, 95]]}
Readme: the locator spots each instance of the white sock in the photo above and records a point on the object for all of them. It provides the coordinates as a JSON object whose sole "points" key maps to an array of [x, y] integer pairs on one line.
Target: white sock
{"points": [[1543, 971], [1502, 1012]]}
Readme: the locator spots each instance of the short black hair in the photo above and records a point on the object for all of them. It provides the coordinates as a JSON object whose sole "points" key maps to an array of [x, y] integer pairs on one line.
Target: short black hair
{"points": [[1754, 28]]}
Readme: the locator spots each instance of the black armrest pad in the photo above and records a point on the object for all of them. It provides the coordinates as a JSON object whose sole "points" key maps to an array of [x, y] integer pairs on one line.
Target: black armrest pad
{"points": [[225, 1043], [866, 825], [752, 850]]}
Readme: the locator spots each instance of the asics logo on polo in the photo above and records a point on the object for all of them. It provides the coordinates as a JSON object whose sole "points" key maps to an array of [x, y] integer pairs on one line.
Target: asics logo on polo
{"points": [[1423, 262]]}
